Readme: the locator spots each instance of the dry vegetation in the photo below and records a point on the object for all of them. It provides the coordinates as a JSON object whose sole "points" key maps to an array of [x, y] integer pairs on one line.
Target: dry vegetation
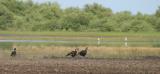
{"points": [[93, 52]]}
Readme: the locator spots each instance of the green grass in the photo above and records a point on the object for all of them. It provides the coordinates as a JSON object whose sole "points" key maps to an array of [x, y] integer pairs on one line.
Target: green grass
{"points": [[81, 43], [85, 38], [83, 33], [6, 45]]}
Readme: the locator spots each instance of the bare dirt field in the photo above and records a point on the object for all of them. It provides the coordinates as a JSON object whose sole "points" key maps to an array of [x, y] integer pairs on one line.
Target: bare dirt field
{"points": [[79, 66]]}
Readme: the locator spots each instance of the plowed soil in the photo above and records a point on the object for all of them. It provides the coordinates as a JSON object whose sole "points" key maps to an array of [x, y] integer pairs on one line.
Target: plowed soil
{"points": [[79, 66]]}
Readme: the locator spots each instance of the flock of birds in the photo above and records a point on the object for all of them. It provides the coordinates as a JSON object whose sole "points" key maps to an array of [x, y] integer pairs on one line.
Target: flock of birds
{"points": [[75, 52], [72, 53]]}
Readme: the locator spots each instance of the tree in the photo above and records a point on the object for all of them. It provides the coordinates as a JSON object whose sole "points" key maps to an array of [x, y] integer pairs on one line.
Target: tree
{"points": [[140, 26], [25, 15], [157, 14], [75, 20], [6, 17], [98, 10], [157, 24]]}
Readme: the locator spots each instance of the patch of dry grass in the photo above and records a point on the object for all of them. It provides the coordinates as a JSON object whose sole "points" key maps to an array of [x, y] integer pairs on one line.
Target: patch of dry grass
{"points": [[123, 52], [93, 52]]}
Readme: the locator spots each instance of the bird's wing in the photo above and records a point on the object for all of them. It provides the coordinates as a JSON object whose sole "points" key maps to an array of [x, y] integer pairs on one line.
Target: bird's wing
{"points": [[69, 53]]}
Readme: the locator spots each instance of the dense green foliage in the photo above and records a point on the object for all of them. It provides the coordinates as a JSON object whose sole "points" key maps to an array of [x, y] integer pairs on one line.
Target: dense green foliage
{"points": [[18, 15]]}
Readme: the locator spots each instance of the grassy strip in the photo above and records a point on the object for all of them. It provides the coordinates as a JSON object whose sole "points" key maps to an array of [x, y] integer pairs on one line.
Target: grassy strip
{"points": [[93, 52], [83, 33], [83, 43]]}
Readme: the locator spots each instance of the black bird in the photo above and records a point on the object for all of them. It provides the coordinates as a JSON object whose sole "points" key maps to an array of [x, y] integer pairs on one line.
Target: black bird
{"points": [[13, 53], [72, 53], [83, 52]]}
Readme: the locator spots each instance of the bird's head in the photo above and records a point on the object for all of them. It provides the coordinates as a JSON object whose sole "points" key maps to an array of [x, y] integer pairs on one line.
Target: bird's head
{"points": [[14, 49]]}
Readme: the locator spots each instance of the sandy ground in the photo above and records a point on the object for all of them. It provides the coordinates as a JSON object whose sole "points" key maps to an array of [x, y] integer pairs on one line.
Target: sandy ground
{"points": [[79, 66]]}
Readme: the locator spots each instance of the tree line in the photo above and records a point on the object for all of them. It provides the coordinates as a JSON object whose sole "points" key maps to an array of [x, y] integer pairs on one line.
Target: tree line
{"points": [[18, 15]]}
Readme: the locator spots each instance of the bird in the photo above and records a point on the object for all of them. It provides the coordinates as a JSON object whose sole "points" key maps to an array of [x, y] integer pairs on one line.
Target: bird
{"points": [[13, 53], [73, 53], [83, 52]]}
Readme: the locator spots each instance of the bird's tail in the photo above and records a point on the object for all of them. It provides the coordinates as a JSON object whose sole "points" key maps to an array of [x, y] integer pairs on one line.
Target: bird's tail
{"points": [[68, 54]]}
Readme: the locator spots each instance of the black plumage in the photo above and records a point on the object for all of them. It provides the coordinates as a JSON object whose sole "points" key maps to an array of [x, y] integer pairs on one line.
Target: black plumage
{"points": [[83, 52], [13, 53], [72, 53]]}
